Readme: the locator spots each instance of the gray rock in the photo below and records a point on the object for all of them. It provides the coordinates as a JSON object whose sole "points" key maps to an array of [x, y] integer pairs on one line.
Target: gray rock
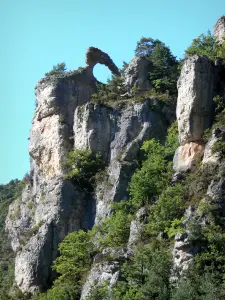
{"points": [[137, 73], [96, 56], [182, 253], [196, 89], [209, 156], [51, 206], [219, 29], [104, 270], [117, 133], [137, 227]]}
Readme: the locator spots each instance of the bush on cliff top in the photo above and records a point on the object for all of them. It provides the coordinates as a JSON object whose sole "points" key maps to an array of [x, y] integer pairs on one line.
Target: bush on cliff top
{"points": [[57, 70]]}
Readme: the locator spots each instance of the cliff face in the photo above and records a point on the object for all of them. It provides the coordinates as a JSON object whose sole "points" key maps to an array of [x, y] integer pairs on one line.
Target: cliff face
{"points": [[51, 206], [196, 88], [66, 118], [219, 29]]}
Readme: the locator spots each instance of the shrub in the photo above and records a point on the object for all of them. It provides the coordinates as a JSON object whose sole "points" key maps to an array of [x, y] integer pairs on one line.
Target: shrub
{"points": [[219, 146], [76, 252], [154, 175], [146, 274], [82, 165], [167, 211], [115, 230]]}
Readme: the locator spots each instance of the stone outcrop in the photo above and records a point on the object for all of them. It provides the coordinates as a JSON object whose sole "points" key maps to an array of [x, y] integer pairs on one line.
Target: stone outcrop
{"points": [[219, 29], [188, 156], [96, 56], [104, 270], [218, 134], [51, 206], [196, 88], [117, 133], [137, 74], [137, 227], [182, 255], [66, 119]]}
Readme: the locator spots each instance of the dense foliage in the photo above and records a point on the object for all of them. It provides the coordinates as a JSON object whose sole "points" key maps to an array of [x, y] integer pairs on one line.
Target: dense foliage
{"points": [[8, 193], [82, 165], [163, 76], [207, 45], [76, 253], [165, 72]]}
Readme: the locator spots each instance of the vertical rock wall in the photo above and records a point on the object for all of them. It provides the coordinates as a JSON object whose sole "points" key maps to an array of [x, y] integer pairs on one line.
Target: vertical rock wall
{"points": [[50, 206], [196, 89], [219, 29]]}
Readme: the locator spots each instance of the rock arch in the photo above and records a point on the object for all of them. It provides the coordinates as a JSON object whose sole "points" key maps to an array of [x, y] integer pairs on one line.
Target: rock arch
{"points": [[96, 56]]}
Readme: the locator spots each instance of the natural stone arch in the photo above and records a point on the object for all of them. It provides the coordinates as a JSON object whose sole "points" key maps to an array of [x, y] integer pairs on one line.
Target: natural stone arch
{"points": [[96, 56]]}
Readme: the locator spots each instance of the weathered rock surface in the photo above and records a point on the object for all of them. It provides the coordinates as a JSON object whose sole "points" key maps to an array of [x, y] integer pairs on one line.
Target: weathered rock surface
{"points": [[104, 270], [196, 89], [219, 29], [218, 134], [96, 56], [188, 156], [137, 227], [51, 206], [182, 253], [117, 133], [137, 74], [183, 250]]}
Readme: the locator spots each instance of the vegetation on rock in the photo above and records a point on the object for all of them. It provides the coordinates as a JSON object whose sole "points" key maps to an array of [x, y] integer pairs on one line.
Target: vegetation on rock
{"points": [[82, 165], [57, 70], [146, 272], [8, 193], [165, 72]]}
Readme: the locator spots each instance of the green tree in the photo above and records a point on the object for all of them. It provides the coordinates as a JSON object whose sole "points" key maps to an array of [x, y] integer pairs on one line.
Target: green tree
{"points": [[115, 230], [169, 207], [57, 70], [204, 45], [164, 73], [82, 165], [145, 46], [76, 252], [146, 274]]}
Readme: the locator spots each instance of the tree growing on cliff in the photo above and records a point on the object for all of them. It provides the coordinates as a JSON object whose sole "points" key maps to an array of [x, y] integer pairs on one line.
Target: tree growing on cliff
{"points": [[164, 73], [57, 70], [204, 45]]}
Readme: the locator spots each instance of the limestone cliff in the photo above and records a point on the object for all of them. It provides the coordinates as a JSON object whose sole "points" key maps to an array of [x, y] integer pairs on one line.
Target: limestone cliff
{"points": [[219, 29], [66, 118], [51, 206]]}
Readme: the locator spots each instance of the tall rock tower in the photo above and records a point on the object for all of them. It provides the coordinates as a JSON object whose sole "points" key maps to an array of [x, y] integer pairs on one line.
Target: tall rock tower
{"points": [[219, 29]]}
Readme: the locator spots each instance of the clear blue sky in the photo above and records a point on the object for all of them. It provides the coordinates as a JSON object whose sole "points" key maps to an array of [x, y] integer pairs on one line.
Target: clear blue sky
{"points": [[36, 34]]}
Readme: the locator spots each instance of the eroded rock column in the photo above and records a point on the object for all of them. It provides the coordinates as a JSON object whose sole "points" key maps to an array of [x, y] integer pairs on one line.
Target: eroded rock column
{"points": [[196, 89]]}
